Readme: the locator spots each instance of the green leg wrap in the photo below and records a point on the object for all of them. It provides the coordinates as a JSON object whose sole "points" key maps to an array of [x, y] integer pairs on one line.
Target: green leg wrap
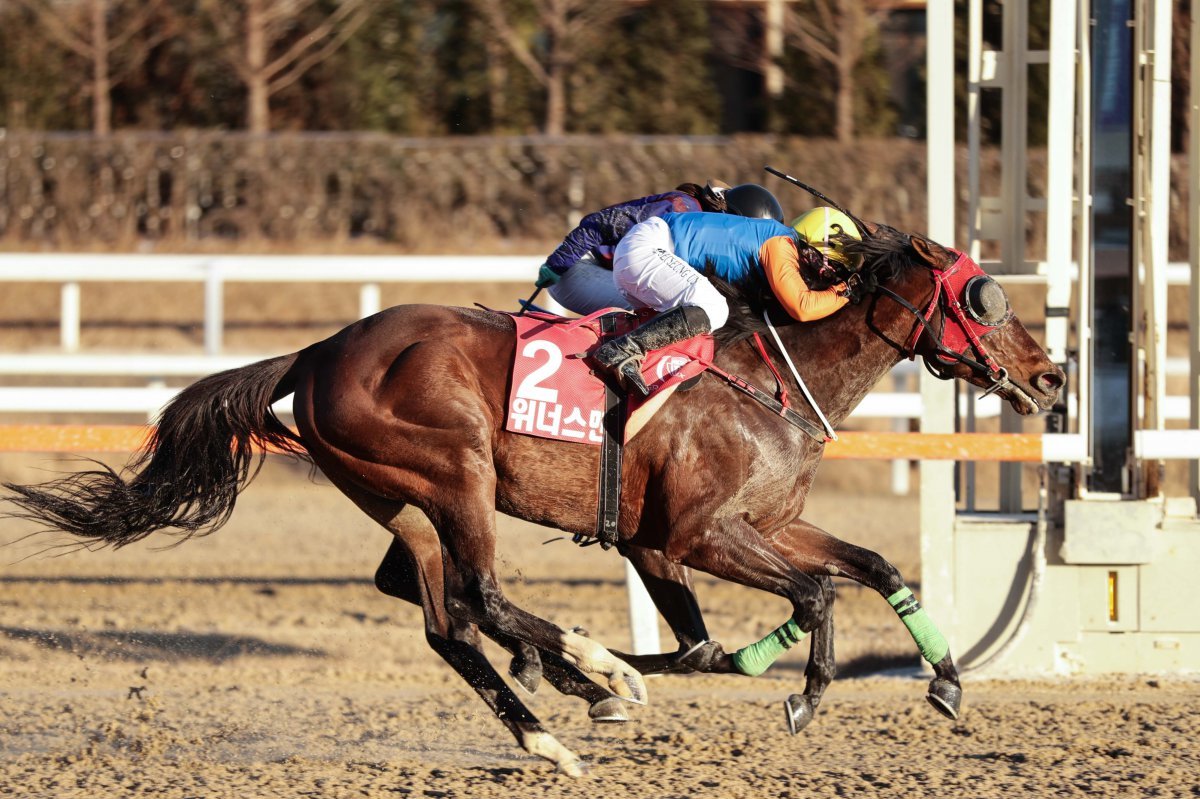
{"points": [[929, 638], [756, 658]]}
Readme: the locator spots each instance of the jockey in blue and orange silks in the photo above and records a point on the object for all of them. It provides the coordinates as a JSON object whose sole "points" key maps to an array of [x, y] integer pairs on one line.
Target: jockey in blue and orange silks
{"points": [[659, 264], [578, 271]]}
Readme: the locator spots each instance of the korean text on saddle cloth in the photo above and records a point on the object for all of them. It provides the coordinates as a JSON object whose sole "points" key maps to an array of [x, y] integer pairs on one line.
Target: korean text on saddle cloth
{"points": [[556, 396]]}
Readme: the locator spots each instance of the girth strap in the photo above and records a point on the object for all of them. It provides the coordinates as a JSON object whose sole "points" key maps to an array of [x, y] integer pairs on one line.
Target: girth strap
{"points": [[611, 450]]}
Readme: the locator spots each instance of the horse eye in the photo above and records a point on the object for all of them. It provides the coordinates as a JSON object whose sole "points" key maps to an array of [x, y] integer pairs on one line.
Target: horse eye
{"points": [[985, 300]]}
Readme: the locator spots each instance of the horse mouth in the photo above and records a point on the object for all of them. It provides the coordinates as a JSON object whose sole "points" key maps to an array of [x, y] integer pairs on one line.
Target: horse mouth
{"points": [[1023, 402]]}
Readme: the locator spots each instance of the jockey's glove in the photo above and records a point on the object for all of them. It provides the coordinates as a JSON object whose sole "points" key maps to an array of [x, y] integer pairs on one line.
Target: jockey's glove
{"points": [[547, 277], [852, 289]]}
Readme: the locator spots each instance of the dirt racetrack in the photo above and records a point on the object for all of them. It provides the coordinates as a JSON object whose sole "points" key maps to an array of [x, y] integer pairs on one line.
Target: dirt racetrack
{"points": [[262, 662]]}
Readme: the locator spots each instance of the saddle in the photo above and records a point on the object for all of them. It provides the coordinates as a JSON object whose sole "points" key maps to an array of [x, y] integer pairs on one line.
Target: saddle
{"points": [[554, 393]]}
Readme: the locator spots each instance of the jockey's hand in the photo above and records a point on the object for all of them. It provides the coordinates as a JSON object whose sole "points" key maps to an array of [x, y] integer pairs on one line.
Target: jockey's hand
{"points": [[547, 277], [852, 289]]}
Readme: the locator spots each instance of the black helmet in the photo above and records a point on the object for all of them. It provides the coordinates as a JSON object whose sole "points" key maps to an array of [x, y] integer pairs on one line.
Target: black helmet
{"points": [[752, 200]]}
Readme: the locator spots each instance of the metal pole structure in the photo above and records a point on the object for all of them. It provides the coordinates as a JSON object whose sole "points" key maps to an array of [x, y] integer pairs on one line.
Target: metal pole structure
{"points": [[1084, 382], [1194, 248], [1060, 201], [1155, 222], [1013, 195], [937, 397]]}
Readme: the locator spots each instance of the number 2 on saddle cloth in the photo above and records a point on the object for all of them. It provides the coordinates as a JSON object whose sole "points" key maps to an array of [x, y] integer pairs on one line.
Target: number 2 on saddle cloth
{"points": [[555, 395]]}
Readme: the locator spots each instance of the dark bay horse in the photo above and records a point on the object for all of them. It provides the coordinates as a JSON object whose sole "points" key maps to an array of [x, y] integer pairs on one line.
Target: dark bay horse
{"points": [[405, 412]]}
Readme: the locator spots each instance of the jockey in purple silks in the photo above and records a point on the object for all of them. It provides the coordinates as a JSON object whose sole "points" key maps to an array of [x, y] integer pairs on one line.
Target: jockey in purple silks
{"points": [[578, 273]]}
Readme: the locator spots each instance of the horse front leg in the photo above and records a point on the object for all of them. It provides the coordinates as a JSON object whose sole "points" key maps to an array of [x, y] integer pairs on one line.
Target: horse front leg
{"points": [[734, 550], [817, 552], [670, 587], [801, 709]]}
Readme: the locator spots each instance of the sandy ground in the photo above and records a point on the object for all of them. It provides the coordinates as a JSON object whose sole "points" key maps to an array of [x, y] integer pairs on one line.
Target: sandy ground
{"points": [[261, 661]]}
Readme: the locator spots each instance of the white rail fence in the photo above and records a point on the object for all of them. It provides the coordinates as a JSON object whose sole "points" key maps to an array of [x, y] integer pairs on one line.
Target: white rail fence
{"points": [[213, 272]]}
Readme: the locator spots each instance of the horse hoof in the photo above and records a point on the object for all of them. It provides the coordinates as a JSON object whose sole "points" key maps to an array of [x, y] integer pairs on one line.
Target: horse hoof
{"points": [[608, 711], [572, 768], [630, 687], [946, 697], [799, 712], [526, 675]]}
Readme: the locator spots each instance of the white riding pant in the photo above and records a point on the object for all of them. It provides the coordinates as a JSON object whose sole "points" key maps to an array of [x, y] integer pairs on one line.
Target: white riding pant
{"points": [[648, 272], [588, 287]]}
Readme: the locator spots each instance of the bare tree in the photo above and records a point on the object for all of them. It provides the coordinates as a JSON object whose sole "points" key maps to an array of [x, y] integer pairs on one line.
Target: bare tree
{"points": [[84, 29], [836, 32], [262, 44], [567, 29]]}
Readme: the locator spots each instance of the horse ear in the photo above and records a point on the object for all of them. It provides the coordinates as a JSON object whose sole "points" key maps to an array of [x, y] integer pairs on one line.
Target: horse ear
{"points": [[931, 252]]}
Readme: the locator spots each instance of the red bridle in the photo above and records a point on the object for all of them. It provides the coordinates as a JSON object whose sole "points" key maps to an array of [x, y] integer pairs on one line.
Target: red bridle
{"points": [[963, 326]]}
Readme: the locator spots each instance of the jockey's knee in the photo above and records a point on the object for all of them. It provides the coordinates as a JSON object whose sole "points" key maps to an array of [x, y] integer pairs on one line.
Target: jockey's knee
{"points": [[717, 308]]}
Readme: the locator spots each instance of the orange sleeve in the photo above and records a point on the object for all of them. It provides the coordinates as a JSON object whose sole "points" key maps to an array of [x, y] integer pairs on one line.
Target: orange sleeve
{"points": [[782, 265]]}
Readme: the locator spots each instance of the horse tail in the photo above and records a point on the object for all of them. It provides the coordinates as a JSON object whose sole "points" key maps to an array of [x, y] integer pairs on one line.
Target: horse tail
{"points": [[210, 441]]}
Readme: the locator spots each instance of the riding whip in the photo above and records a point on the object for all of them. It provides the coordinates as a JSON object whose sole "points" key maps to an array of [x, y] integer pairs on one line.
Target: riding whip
{"points": [[820, 196]]}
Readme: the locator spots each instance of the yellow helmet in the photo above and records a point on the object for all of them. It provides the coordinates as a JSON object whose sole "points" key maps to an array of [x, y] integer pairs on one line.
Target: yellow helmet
{"points": [[819, 225]]}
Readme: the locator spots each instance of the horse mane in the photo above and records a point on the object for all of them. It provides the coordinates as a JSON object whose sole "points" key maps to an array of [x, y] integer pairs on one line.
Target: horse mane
{"points": [[886, 254]]}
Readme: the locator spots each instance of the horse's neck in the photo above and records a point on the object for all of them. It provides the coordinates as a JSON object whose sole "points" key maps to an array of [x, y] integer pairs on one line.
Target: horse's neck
{"points": [[841, 358]]}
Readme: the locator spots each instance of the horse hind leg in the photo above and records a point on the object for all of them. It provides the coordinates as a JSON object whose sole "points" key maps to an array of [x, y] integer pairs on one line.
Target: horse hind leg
{"points": [[414, 573], [397, 577], [466, 525], [670, 588]]}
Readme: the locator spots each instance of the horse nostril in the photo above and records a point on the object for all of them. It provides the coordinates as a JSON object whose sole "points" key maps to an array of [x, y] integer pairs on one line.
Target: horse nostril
{"points": [[1050, 382]]}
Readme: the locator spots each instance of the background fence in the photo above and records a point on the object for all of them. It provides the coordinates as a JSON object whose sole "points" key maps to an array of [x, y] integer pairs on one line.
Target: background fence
{"points": [[481, 194]]}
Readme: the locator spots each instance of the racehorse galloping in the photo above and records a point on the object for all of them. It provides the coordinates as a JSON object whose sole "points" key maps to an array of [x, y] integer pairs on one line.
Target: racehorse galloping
{"points": [[405, 413]]}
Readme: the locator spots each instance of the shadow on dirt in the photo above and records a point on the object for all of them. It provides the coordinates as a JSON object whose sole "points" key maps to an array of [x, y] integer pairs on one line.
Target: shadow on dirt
{"points": [[149, 645], [864, 666]]}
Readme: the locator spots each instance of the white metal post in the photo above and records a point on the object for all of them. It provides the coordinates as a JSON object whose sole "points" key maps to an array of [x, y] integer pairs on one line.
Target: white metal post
{"points": [[369, 300], [1157, 220], [937, 397], [214, 308], [1060, 168], [643, 618], [69, 319]]}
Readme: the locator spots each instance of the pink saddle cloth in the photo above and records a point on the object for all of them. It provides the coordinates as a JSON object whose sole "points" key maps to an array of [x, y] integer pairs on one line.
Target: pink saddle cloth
{"points": [[554, 395]]}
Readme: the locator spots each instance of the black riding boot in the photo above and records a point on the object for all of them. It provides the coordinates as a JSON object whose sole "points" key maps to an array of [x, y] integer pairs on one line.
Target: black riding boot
{"points": [[623, 356]]}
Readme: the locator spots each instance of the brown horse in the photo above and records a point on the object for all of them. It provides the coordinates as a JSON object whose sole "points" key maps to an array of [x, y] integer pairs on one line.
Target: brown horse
{"points": [[405, 411]]}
